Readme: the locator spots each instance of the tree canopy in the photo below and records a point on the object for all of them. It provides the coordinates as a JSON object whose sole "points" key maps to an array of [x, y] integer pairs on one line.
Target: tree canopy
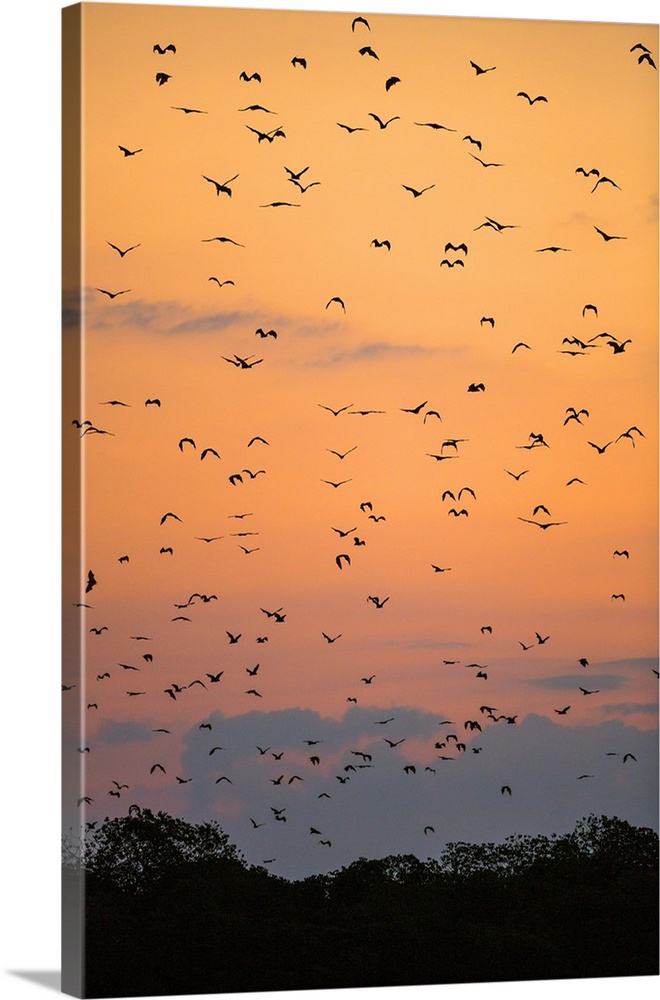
{"points": [[143, 847], [186, 913]]}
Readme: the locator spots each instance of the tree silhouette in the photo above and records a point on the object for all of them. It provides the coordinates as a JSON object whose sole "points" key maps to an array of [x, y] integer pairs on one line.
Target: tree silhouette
{"points": [[178, 903], [142, 848]]}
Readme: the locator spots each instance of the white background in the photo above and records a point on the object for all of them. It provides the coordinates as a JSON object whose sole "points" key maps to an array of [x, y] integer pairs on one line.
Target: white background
{"points": [[30, 486]]}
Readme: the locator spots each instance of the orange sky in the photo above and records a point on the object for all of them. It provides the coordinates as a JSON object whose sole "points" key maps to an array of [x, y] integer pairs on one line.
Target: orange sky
{"points": [[411, 333]]}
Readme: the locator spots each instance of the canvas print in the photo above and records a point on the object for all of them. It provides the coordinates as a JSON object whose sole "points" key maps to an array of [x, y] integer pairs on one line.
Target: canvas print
{"points": [[360, 632]]}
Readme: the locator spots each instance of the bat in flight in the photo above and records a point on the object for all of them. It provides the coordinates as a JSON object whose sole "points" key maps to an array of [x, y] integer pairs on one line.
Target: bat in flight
{"points": [[414, 409], [414, 192], [483, 162], [607, 237], [304, 187], [335, 413], [618, 348], [222, 239], [162, 51], [122, 253], [243, 362], [221, 187], [336, 485], [169, 514], [293, 176], [605, 180], [573, 414], [381, 123], [268, 136], [532, 100], [113, 295], [436, 126], [493, 224], [479, 69], [337, 299]]}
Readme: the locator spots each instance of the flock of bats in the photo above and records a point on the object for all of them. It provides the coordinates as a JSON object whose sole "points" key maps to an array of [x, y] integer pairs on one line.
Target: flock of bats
{"points": [[458, 738]]}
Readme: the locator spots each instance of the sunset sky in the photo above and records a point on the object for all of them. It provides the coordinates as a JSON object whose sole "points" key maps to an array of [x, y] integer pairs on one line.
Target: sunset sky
{"points": [[511, 607], [31, 583]]}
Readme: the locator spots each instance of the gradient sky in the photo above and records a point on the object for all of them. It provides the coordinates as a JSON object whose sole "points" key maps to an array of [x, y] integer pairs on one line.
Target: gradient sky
{"points": [[413, 332]]}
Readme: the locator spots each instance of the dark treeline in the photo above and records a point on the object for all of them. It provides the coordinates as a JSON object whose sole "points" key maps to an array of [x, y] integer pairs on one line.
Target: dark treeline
{"points": [[172, 907]]}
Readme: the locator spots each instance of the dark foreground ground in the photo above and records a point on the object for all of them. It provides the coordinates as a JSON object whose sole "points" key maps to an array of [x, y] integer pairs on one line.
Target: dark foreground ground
{"points": [[484, 914]]}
